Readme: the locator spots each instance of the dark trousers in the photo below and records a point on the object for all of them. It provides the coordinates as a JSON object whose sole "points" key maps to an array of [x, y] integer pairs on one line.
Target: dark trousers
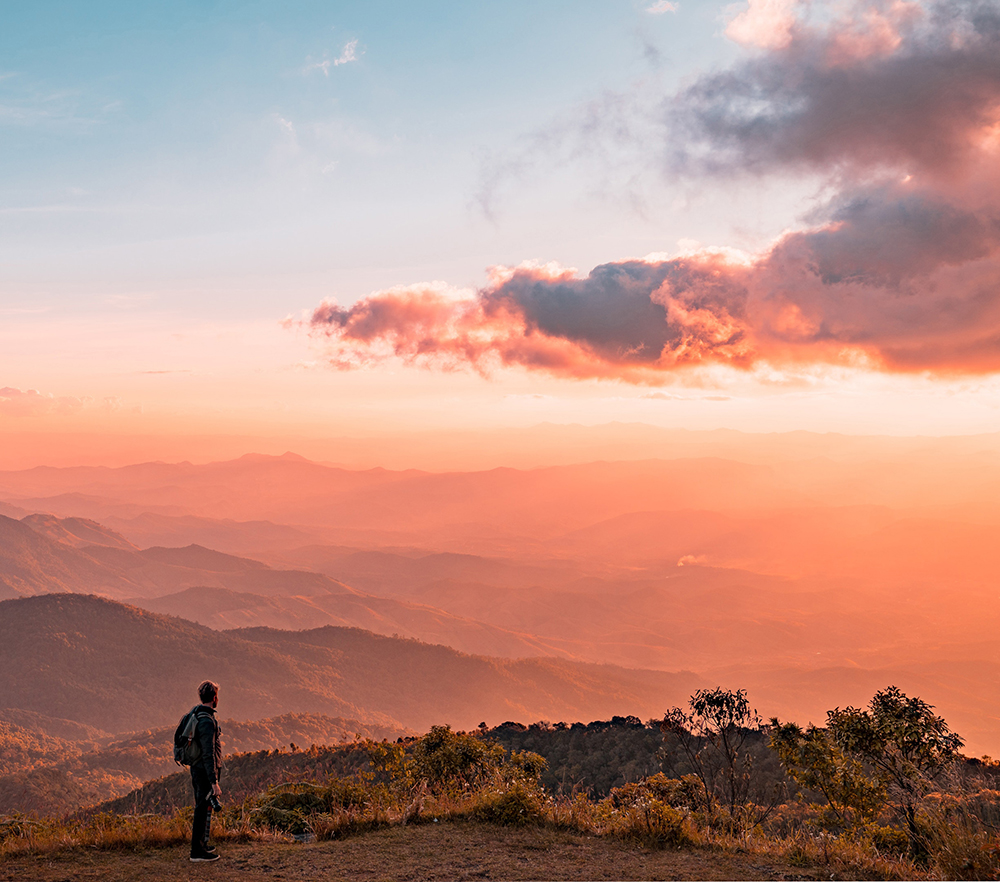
{"points": [[202, 810]]}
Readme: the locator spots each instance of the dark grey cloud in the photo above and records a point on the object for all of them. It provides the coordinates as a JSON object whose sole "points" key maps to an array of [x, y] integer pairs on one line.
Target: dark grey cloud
{"points": [[811, 105]]}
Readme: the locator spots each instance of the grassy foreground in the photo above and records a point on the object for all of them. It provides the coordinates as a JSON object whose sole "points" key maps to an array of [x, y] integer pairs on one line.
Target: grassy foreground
{"points": [[446, 850], [458, 805]]}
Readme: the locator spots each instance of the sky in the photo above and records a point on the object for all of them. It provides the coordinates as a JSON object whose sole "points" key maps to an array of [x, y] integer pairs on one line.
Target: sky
{"points": [[326, 219]]}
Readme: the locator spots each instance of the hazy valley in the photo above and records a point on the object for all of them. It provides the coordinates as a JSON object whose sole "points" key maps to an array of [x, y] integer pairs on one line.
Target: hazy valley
{"points": [[805, 568]]}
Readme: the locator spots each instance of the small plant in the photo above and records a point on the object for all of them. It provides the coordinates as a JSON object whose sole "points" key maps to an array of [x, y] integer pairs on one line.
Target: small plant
{"points": [[641, 812], [509, 805], [889, 841]]}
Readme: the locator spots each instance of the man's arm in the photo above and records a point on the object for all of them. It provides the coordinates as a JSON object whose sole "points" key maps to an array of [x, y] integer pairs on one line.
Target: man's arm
{"points": [[205, 733]]}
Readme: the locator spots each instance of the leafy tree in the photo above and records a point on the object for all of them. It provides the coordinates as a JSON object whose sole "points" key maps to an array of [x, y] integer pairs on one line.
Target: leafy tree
{"points": [[716, 736], [451, 758], [814, 760], [443, 761], [906, 747]]}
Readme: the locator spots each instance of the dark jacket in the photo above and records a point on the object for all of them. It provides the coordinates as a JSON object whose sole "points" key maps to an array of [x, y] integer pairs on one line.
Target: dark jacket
{"points": [[209, 737]]}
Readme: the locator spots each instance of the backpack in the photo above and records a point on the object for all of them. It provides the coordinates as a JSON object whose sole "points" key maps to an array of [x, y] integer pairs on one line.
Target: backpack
{"points": [[187, 750]]}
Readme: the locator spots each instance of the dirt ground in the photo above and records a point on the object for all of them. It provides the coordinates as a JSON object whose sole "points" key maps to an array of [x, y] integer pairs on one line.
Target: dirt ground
{"points": [[431, 852]]}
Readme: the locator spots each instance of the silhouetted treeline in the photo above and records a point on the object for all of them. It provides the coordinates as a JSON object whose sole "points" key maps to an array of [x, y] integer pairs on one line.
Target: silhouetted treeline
{"points": [[595, 757], [589, 757]]}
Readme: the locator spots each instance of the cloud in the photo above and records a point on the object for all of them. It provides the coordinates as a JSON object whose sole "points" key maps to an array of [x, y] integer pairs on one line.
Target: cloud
{"points": [[891, 85], [895, 105], [660, 7], [348, 54], [629, 320], [18, 403], [764, 23], [323, 65]]}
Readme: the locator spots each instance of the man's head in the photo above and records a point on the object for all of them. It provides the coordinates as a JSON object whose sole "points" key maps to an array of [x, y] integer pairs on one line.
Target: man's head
{"points": [[208, 692]]}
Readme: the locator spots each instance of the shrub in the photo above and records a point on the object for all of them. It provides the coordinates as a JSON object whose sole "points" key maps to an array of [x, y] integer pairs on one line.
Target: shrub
{"points": [[450, 760], [348, 793], [285, 820], [289, 807], [641, 812], [852, 798], [686, 792], [510, 805], [889, 841], [650, 822]]}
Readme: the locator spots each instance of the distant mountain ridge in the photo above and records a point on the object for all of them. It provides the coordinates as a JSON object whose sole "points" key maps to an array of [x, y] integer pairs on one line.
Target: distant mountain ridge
{"points": [[119, 669], [42, 554], [538, 503], [78, 532], [781, 563]]}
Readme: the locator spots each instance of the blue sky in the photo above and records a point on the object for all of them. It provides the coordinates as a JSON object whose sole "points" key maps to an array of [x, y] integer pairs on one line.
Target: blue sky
{"points": [[164, 150]]}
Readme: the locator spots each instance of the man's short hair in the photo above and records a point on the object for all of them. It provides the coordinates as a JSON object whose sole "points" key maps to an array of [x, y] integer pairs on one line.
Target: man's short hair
{"points": [[208, 691]]}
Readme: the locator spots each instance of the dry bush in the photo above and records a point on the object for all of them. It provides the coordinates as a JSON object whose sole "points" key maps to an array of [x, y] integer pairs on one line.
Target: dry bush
{"points": [[655, 812], [339, 808], [509, 804]]}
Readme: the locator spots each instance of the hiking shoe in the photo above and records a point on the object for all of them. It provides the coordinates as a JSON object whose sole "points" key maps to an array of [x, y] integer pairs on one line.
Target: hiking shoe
{"points": [[203, 857]]}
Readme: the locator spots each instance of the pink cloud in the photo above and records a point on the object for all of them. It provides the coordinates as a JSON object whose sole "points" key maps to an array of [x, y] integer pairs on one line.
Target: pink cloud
{"points": [[18, 403], [764, 23], [897, 104], [631, 320]]}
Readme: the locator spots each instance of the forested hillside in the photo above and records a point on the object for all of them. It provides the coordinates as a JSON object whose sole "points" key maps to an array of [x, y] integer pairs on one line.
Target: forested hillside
{"points": [[45, 775], [120, 669]]}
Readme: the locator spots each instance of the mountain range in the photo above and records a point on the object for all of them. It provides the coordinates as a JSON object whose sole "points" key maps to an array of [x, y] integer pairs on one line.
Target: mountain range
{"points": [[813, 569], [119, 669]]}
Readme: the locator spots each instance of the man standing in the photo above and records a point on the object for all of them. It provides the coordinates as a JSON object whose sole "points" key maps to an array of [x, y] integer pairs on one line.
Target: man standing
{"points": [[205, 771]]}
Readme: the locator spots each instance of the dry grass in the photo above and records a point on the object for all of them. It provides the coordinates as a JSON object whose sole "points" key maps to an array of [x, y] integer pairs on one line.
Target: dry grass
{"points": [[454, 850], [483, 834]]}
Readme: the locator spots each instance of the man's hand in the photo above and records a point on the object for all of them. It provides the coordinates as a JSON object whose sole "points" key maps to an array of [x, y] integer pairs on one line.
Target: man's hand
{"points": [[217, 790]]}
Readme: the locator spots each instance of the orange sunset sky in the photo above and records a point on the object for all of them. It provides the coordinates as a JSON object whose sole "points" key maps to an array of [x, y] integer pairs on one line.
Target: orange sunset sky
{"points": [[231, 228]]}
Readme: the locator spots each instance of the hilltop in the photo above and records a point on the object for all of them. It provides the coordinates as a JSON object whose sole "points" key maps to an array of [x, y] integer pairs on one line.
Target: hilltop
{"points": [[474, 796], [428, 851]]}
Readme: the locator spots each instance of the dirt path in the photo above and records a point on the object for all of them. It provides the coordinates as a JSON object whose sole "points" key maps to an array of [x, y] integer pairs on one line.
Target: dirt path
{"points": [[431, 852]]}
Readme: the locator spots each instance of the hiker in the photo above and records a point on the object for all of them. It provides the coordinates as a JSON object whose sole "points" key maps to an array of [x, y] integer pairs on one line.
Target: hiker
{"points": [[205, 772]]}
